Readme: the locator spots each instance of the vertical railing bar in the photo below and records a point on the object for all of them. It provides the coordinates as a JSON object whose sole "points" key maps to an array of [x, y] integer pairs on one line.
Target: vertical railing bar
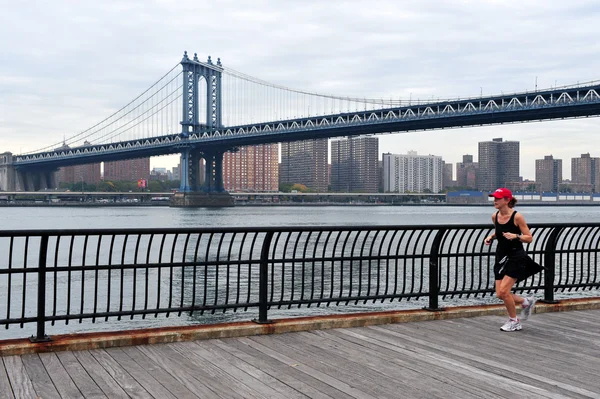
{"points": [[488, 232], [293, 282], [122, 267], [195, 273], [333, 257], [183, 268], [421, 261], [342, 252], [69, 279], [406, 258], [274, 256], [434, 270], [55, 282], [109, 269], [172, 258], [159, 273], [314, 261], [205, 286], [400, 241], [360, 269], [387, 265], [587, 236], [223, 235], [239, 270], [41, 302], [550, 265], [303, 285], [577, 237], [147, 274], [452, 236], [250, 262], [96, 277], [9, 290], [351, 260], [597, 246], [135, 273], [83, 259], [263, 281], [377, 279], [478, 242], [323, 255], [228, 276], [24, 298]]}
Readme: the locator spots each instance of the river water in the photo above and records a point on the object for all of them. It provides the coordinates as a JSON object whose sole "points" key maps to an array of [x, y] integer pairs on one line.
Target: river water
{"points": [[17, 218], [256, 216]]}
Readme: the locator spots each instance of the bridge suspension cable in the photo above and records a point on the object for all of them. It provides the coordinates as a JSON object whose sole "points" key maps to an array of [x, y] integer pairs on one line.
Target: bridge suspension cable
{"points": [[155, 112]]}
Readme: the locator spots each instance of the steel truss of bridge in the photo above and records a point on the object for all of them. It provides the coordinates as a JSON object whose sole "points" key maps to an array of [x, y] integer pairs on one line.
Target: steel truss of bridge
{"points": [[559, 103]]}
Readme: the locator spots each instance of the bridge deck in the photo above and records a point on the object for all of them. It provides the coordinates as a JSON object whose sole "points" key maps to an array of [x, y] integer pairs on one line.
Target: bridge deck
{"points": [[556, 355]]}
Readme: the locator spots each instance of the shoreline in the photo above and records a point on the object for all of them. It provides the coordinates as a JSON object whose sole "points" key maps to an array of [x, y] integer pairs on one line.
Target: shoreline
{"points": [[289, 204]]}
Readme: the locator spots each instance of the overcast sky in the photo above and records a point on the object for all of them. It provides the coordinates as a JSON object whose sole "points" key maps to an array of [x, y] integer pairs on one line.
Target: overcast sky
{"points": [[65, 65]]}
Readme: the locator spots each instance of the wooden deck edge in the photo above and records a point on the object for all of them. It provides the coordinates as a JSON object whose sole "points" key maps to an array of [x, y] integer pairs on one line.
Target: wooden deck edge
{"points": [[86, 341]]}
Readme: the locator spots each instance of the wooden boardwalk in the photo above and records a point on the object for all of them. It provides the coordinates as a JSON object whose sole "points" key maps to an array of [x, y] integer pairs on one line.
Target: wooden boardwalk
{"points": [[556, 355]]}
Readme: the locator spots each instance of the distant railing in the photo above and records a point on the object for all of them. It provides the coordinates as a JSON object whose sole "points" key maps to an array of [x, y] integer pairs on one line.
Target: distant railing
{"points": [[52, 276]]}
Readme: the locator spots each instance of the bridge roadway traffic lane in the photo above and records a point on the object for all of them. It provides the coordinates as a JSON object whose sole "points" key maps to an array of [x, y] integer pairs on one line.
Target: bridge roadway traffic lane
{"points": [[556, 355]]}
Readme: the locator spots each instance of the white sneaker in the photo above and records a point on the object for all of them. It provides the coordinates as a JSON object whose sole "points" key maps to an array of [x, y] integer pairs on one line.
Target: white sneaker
{"points": [[511, 325], [527, 310]]}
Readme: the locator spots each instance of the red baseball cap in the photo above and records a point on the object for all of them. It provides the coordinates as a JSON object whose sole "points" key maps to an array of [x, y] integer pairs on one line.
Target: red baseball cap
{"points": [[502, 193]]}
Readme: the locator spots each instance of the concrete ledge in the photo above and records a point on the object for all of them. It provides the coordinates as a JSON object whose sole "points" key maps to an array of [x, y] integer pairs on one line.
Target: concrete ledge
{"points": [[86, 341]]}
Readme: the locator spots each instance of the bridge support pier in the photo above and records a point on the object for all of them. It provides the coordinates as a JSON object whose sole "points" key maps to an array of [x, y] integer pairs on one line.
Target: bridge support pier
{"points": [[7, 173], [35, 180], [191, 194]]}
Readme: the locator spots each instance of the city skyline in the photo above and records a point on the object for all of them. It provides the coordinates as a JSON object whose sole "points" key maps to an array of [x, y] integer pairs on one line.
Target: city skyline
{"points": [[405, 50]]}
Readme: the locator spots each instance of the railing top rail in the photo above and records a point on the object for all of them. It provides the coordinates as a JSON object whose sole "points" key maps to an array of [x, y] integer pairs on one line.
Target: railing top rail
{"points": [[264, 229]]}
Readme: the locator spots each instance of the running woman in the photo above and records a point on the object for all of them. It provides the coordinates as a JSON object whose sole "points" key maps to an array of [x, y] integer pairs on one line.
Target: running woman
{"points": [[512, 263]]}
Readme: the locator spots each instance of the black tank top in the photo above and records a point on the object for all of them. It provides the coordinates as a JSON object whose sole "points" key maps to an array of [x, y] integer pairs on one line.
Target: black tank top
{"points": [[506, 246]]}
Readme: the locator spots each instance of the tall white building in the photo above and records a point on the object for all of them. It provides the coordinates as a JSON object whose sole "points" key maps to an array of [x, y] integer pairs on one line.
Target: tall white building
{"points": [[403, 173]]}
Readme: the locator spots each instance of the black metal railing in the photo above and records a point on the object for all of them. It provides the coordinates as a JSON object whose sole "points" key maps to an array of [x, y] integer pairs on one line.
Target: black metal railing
{"points": [[68, 276]]}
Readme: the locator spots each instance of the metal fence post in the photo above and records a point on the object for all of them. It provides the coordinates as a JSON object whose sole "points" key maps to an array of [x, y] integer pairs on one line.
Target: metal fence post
{"points": [[434, 270], [263, 282], [550, 266], [41, 294]]}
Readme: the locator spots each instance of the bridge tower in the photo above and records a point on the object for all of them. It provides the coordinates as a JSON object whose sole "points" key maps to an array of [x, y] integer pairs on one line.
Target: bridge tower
{"points": [[213, 193], [193, 71]]}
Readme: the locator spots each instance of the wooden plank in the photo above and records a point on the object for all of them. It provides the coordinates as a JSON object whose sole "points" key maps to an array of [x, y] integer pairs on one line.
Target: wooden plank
{"points": [[18, 377], [284, 372], [5, 387], [521, 378], [308, 368], [161, 375], [140, 374], [422, 376], [42, 383], [219, 368], [280, 388], [207, 373], [59, 375], [83, 381], [110, 383], [373, 383], [348, 366], [499, 385], [185, 371], [561, 348], [549, 355], [120, 376]]}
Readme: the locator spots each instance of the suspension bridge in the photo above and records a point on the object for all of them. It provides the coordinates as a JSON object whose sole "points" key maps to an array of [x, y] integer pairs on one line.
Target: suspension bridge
{"points": [[203, 109]]}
